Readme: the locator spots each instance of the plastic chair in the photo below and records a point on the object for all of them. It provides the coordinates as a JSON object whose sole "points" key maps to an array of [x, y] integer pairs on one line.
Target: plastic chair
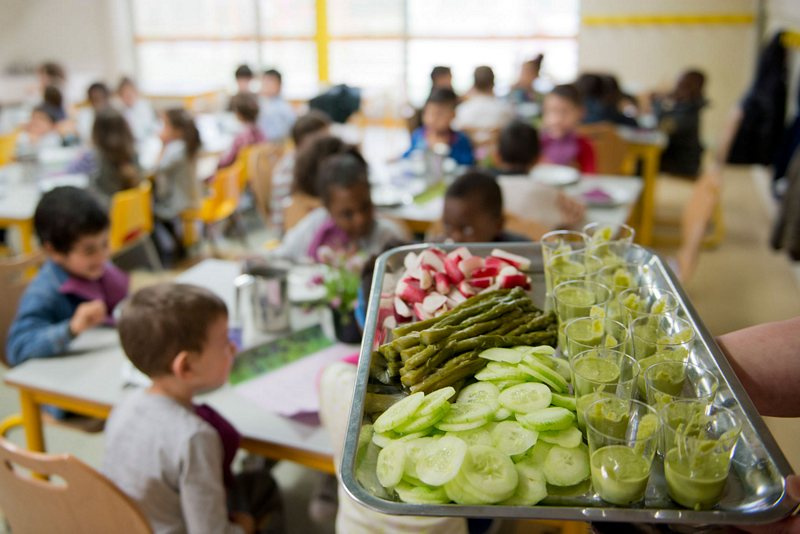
{"points": [[131, 217], [79, 500], [262, 161], [299, 206], [223, 201], [610, 148], [8, 143]]}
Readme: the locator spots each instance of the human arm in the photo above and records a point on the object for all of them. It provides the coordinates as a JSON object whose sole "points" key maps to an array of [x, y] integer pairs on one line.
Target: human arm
{"points": [[201, 489], [764, 358]]}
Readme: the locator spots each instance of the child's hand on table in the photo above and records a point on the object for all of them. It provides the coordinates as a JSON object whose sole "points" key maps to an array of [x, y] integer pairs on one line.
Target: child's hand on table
{"points": [[88, 315]]}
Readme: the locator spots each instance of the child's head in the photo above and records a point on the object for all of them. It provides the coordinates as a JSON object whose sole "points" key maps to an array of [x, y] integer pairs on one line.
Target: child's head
{"points": [[179, 126], [112, 137], [51, 73], [344, 187], [473, 208], [271, 83], [562, 111], [98, 95], [313, 123], [441, 77], [440, 110], [127, 92], [178, 331], [308, 160], [245, 106], [484, 79], [690, 86], [73, 230], [43, 120], [518, 147], [244, 75]]}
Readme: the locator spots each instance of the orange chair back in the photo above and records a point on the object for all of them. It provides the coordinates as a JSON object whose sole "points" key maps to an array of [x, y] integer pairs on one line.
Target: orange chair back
{"points": [[225, 193], [8, 143], [263, 159], [82, 501], [131, 216], [610, 148]]}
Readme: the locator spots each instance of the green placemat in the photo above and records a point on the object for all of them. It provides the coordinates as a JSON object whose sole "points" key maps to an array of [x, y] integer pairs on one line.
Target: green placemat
{"points": [[435, 191], [278, 353]]}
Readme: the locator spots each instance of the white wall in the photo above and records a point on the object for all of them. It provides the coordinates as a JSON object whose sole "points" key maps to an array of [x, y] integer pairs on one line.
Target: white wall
{"points": [[91, 38], [647, 57]]}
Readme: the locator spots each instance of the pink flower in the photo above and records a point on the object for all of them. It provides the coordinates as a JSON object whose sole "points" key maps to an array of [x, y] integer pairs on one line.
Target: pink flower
{"points": [[317, 280], [336, 302]]}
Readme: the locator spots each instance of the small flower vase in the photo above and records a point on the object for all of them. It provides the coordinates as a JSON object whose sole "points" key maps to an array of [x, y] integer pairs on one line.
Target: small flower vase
{"points": [[345, 326]]}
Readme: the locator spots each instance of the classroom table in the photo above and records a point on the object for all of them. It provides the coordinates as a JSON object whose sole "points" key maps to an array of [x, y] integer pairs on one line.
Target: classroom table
{"points": [[627, 191], [91, 380]]}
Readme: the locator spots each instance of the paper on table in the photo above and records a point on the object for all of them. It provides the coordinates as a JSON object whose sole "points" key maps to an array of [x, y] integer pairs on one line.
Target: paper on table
{"points": [[292, 389]]}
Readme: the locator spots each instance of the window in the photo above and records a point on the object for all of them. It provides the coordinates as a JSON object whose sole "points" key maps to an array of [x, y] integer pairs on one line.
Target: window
{"points": [[381, 45]]}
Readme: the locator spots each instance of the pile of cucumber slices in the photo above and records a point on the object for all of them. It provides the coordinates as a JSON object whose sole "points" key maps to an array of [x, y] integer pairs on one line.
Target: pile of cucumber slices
{"points": [[507, 439]]}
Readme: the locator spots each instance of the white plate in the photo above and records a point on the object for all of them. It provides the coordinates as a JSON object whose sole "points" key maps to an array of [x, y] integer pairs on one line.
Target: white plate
{"points": [[555, 175]]}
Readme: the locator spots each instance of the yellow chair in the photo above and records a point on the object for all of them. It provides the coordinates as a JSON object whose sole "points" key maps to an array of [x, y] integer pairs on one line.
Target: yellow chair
{"points": [[8, 143], [79, 500], [131, 217], [611, 150], [224, 198]]}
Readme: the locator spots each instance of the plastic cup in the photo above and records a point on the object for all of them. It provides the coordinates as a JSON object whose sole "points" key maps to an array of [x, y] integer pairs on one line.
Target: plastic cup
{"points": [[646, 300], [659, 338], [598, 373], [623, 436], [574, 265], [699, 443], [586, 333], [558, 242], [673, 380], [599, 233], [579, 298]]}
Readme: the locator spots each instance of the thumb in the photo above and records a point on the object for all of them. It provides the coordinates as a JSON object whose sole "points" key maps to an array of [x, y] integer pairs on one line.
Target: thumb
{"points": [[793, 487]]}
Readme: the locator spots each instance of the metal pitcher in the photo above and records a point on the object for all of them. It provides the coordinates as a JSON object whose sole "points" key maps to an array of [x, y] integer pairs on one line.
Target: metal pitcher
{"points": [[266, 288]]}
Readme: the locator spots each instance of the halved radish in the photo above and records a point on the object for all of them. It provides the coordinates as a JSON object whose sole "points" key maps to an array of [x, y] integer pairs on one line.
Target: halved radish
{"points": [[439, 252], [429, 258], [467, 290], [426, 280], [410, 291], [468, 265], [508, 271], [433, 302], [514, 280], [456, 297], [410, 261], [517, 261], [420, 312], [460, 252], [442, 283], [497, 263], [481, 283], [485, 271], [401, 308], [452, 270]]}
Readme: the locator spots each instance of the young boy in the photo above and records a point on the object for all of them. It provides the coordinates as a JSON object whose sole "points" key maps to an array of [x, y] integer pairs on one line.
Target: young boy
{"points": [[561, 143], [77, 288], [439, 112], [171, 456], [245, 106], [473, 211], [517, 153], [277, 116]]}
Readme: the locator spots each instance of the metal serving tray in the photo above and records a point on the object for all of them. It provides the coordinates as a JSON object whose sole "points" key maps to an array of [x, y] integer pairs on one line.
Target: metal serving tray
{"points": [[755, 491]]}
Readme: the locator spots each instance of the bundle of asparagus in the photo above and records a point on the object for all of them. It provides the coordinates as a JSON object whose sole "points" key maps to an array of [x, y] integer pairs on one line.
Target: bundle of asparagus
{"points": [[438, 352]]}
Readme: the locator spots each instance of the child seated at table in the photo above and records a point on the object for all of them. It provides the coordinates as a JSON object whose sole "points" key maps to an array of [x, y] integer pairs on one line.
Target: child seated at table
{"points": [[473, 211], [516, 154], [176, 188], [347, 221], [245, 106], [170, 455], [137, 110], [437, 116], [561, 143], [41, 132], [77, 288], [111, 163], [313, 124]]}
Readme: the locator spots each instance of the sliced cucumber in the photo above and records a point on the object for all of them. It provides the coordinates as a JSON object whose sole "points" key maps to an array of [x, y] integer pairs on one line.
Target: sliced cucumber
{"points": [[544, 374], [382, 440], [490, 473], [421, 423], [545, 350], [552, 418], [538, 454], [440, 460], [568, 438], [505, 384], [526, 398], [476, 436], [434, 401], [413, 452], [467, 412], [480, 392], [565, 401], [398, 413], [460, 427], [511, 438], [413, 494], [566, 467], [391, 461], [501, 371], [531, 487], [364, 438], [498, 354], [461, 492], [502, 414], [559, 365]]}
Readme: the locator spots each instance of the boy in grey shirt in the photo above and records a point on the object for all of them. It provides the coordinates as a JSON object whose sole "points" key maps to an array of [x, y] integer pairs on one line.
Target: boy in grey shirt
{"points": [[169, 455]]}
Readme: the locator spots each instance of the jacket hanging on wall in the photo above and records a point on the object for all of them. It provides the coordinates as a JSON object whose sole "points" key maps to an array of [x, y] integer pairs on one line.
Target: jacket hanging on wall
{"points": [[763, 109]]}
